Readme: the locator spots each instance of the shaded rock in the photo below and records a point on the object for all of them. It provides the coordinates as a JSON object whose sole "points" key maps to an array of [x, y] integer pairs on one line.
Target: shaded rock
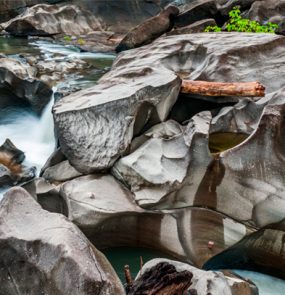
{"points": [[149, 30], [142, 87], [107, 213], [196, 11], [12, 171], [44, 253], [267, 11], [196, 27], [225, 6], [159, 166], [161, 279], [46, 20], [202, 282], [18, 84], [262, 251]]}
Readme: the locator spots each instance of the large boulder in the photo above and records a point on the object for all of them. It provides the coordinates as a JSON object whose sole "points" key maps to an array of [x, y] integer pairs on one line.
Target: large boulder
{"points": [[143, 85], [43, 253], [50, 20], [19, 85], [169, 275]]}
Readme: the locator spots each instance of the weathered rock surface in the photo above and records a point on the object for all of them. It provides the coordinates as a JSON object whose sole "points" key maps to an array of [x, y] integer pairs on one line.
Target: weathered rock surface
{"points": [[168, 150], [46, 20], [18, 84], [262, 251], [43, 253], [202, 282], [142, 86], [149, 30], [12, 171], [107, 213]]}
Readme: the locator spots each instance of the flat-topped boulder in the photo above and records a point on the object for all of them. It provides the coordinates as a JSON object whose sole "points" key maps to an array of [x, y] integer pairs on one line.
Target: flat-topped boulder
{"points": [[44, 253], [50, 20], [96, 126]]}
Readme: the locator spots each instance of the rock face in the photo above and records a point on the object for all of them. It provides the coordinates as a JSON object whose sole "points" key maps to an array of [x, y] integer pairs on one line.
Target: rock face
{"points": [[149, 30], [43, 253], [19, 85], [12, 171], [46, 20], [147, 99], [202, 282], [260, 251]]}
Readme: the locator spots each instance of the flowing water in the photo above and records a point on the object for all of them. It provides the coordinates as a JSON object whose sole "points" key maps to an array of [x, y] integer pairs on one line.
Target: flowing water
{"points": [[35, 137], [31, 134]]}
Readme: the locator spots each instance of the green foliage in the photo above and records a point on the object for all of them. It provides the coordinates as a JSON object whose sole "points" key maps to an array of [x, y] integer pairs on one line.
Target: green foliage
{"points": [[238, 24], [67, 38], [81, 42]]}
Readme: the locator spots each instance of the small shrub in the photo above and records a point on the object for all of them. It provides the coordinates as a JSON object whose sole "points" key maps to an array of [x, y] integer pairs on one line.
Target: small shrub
{"points": [[81, 42], [238, 24], [67, 38]]}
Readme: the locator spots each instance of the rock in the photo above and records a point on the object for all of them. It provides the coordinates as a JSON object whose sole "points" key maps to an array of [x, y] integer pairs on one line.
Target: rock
{"points": [[107, 213], [262, 251], [196, 27], [225, 6], [159, 166], [43, 252], [18, 83], [202, 282], [267, 11], [12, 171], [143, 82], [60, 172], [196, 11], [149, 30], [49, 20], [10, 9]]}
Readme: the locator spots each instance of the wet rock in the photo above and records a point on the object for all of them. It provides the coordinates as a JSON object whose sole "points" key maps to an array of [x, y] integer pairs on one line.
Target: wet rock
{"points": [[49, 20], [196, 27], [149, 30], [43, 252], [159, 166], [262, 251], [196, 11], [12, 171], [143, 85], [19, 85], [202, 282]]}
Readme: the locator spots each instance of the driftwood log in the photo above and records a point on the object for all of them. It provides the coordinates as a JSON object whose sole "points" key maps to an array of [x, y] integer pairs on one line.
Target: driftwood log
{"points": [[162, 279], [243, 89]]}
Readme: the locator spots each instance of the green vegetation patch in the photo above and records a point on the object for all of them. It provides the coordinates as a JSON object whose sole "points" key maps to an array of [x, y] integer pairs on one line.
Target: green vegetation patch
{"points": [[237, 23]]}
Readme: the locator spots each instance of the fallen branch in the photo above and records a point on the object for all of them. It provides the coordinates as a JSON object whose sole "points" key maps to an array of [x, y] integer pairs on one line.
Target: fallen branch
{"points": [[243, 89]]}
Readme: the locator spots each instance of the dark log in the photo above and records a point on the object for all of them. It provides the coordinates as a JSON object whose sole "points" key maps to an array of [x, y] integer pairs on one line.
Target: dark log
{"points": [[162, 279], [243, 89]]}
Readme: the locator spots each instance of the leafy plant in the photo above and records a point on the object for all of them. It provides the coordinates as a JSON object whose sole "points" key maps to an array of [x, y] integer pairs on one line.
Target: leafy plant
{"points": [[67, 38], [81, 42], [237, 23]]}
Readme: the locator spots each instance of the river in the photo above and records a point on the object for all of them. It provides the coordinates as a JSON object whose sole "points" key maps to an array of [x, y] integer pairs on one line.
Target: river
{"points": [[35, 136]]}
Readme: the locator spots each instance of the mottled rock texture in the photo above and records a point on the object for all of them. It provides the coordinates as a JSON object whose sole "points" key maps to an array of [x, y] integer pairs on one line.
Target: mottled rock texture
{"points": [[43, 253]]}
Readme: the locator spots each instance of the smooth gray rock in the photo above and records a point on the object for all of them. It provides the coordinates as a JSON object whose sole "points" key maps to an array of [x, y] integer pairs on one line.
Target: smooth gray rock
{"points": [[43, 253], [18, 84], [49, 20], [159, 166], [142, 87]]}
